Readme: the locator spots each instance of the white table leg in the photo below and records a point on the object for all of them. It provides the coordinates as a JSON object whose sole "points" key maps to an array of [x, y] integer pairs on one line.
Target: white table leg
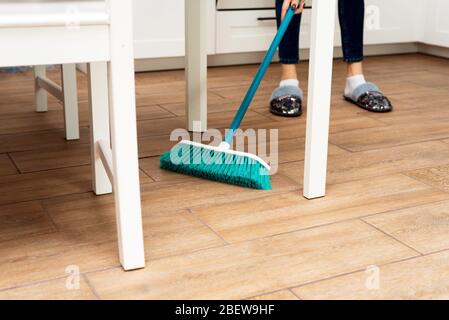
{"points": [[319, 97], [97, 74], [70, 103], [124, 137], [196, 64], [40, 93]]}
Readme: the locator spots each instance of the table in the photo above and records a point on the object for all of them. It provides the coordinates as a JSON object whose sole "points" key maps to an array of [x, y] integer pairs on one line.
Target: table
{"points": [[319, 91]]}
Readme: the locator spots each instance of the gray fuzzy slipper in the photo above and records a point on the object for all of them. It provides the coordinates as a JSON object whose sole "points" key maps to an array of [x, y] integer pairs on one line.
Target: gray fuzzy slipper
{"points": [[286, 101], [369, 97]]}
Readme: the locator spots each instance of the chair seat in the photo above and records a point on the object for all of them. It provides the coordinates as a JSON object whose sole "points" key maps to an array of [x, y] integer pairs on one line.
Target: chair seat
{"points": [[41, 13]]}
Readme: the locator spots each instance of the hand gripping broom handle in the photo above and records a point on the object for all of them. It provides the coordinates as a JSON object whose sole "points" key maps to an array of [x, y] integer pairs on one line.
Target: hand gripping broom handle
{"points": [[259, 75]]}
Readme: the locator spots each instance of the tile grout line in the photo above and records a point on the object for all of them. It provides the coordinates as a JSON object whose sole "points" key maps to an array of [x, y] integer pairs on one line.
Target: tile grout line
{"points": [[45, 198], [57, 168], [339, 275], [44, 207], [328, 223], [383, 148], [45, 148], [295, 294], [32, 283], [389, 146], [391, 236], [146, 174], [207, 225], [267, 293], [91, 286], [307, 283], [406, 173], [13, 162], [403, 173], [160, 105], [360, 270], [157, 259]]}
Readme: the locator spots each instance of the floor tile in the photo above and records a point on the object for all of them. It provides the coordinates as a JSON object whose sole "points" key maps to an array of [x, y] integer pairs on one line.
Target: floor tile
{"points": [[424, 228], [50, 290], [418, 278], [24, 219], [249, 219], [252, 268], [372, 163]]}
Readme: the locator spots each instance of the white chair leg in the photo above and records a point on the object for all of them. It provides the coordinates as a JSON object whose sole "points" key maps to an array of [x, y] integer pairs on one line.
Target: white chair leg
{"points": [[124, 137], [196, 64], [97, 74], [319, 98], [70, 97], [40, 94]]}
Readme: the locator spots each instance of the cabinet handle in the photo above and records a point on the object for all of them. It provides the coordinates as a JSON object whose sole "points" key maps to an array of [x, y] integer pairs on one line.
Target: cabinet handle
{"points": [[274, 18]]}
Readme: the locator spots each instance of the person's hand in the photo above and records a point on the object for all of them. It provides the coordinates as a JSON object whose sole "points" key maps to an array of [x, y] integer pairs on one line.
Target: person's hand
{"points": [[296, 4]]}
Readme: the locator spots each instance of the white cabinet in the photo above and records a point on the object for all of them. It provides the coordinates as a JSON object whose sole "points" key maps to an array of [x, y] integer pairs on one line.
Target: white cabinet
{"points": [[437, 23], [386, 22], [159, 28], [251, 30], [393, 21]]}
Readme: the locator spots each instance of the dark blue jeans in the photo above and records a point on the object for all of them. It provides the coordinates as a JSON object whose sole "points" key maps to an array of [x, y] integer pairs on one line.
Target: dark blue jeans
{"points": [[351, 14]]}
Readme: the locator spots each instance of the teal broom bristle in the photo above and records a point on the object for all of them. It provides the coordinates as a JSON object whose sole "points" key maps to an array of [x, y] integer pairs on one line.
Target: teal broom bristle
{"points": [[218, 166]]}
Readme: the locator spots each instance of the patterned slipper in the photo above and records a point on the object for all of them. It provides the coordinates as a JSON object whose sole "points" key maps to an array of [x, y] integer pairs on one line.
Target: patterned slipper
{"points": [[286, 101], [368, 97]]}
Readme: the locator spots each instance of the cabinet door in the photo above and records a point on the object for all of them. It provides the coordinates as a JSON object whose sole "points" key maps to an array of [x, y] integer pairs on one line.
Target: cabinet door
{"points": [[393, 21], [159, 28], [251, 30], [437, 24]]}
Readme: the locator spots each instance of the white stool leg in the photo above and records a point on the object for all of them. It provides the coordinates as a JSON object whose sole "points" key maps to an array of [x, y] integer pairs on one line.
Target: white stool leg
{"points": [[124, 137], [40, 94], [318, 105], [97, 74], [196, 64], [70, 97]]}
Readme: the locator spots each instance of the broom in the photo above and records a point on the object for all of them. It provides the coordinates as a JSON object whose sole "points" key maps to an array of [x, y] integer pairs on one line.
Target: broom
{"points": [[221, 163]]}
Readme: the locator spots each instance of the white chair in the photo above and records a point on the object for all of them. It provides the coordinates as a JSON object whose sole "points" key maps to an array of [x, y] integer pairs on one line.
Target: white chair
{"points": [[63, 32], [66, 93]]}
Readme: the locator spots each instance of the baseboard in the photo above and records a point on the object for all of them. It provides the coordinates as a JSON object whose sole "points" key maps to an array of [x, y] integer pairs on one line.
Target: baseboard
{"points": [[174, 63], [256, 57], [433, 50]]}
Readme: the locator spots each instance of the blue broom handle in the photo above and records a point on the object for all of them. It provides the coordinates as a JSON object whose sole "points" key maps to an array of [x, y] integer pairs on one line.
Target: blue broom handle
{"points": [[259, 75]]}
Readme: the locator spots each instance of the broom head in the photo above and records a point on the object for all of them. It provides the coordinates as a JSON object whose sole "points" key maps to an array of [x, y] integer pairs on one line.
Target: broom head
{"points": [[217, 163]]}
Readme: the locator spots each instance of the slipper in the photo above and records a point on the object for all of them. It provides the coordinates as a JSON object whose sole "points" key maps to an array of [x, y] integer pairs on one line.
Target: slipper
{"points": [[286, 101], [368, 97]]}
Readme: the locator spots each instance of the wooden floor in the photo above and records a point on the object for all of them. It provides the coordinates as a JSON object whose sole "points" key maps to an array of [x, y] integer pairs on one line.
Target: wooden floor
{"points": [[386, 212]]}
